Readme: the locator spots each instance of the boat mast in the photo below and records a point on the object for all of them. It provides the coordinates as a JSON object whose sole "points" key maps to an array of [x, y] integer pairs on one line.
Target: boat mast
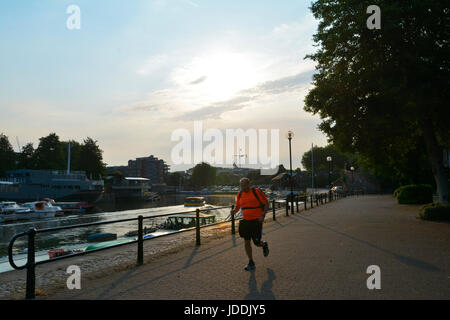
{"points": [[68, 158]]}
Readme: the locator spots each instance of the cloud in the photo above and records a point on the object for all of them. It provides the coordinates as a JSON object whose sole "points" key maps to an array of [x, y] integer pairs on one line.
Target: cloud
{"points": [[192, 3], [199, 80], [246, 97], [216, 109], [153, 64]]}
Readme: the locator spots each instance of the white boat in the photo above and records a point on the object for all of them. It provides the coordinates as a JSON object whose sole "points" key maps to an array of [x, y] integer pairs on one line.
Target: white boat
{"points": [[41, 209], [7, 216], [12, 211]]}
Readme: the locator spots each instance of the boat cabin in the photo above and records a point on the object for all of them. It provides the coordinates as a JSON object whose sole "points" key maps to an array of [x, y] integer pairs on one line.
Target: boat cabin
{"points": [[194, 201], [187, 220]]}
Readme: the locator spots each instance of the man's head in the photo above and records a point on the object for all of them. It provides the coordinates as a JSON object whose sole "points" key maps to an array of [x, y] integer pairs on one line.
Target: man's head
{"points": [[245, 184]]}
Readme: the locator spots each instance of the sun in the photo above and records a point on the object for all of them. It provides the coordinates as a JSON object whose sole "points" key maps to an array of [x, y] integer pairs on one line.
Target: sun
{"points": [[218, 76]]}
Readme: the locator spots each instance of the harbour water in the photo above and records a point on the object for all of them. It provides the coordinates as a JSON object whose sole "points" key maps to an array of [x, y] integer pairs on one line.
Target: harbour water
{"points": [[76, 238]]}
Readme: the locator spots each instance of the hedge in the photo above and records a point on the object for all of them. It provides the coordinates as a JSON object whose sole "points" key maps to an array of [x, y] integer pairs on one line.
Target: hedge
{"points": [[414, 194], [435, 211]]}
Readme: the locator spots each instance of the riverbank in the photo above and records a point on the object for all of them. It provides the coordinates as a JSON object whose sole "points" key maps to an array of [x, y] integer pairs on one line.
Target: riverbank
{"points": [[53, 276], [100, 264]]}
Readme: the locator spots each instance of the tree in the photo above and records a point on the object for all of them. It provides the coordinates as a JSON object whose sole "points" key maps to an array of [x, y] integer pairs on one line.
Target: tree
{"points": [[203, 175], [175, 179], [320, 158], [26, 159], [91, 158], [50, 153], [7, 155], [383, 92]]}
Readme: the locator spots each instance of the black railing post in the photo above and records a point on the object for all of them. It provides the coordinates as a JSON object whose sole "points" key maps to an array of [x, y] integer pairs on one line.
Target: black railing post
{"points": [[140, 253], [233, 228], [273, 210], [311, 197], [31, 279], [197, 227], [306, 199], [287, 206]]}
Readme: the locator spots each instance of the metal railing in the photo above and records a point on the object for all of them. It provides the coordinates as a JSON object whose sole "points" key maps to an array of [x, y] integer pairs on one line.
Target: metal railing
{"points": [[31, 264]]}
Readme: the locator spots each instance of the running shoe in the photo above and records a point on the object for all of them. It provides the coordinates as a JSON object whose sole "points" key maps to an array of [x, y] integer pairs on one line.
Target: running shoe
{"points": [[250, 266], [265, 249]]}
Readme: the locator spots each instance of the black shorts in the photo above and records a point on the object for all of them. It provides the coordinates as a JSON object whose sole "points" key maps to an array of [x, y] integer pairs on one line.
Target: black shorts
{"points": [[251, 230]]}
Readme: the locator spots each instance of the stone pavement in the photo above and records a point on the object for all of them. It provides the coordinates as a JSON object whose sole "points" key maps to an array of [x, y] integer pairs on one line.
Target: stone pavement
{"points": [[321, 253]]}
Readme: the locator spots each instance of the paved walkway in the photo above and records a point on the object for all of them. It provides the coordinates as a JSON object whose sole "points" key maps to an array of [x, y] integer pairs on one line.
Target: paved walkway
{"points": [[318, 254]]}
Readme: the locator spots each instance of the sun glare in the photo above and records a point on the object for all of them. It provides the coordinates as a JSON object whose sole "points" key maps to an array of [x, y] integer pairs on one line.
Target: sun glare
{"points": [[218, 76]]}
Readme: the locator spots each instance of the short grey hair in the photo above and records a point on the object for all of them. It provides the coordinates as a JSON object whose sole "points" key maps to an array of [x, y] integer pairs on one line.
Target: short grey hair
{"points": [[245, 179]]}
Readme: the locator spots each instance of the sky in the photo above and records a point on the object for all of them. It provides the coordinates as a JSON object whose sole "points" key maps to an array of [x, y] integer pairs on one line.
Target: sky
{"points": [[136, 71]]}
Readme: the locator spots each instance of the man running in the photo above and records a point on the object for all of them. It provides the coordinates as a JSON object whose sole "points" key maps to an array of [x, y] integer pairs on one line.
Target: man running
{"points": [[254, 205]]}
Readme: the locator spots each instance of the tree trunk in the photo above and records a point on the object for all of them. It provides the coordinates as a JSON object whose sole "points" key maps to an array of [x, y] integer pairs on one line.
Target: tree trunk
{"points": [[436, 159]]}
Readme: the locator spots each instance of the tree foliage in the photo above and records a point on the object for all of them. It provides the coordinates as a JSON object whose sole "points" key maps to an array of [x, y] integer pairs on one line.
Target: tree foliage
{"points": [[203, 175], [51, 154], [339, 160], [384, 93], [7, 155]]}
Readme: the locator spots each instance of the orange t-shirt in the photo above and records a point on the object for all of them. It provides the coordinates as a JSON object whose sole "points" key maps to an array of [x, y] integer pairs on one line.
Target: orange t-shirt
{"points": [[248, 200]]}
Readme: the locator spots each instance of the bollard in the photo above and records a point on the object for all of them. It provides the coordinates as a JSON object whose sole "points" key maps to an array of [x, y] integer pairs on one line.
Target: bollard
{"points": [[233, 229], [273, 210], [140, 251], [31, 279], [197, 227]]}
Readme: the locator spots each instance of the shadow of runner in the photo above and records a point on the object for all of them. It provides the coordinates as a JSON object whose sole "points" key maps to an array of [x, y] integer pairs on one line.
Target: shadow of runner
{"points": [[116, 283], [266, 288]]}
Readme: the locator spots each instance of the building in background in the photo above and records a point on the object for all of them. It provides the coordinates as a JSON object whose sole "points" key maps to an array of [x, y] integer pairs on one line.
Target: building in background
{"points": [[147, 167]]}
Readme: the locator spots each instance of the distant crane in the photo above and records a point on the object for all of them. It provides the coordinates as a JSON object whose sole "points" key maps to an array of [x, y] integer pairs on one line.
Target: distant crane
{"points": [[239, 157], [18, 144]]}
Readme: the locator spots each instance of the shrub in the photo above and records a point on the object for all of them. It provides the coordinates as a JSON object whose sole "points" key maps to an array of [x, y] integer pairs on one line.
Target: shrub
{"points": [[396, 192], [435, 211], [414, 194]]}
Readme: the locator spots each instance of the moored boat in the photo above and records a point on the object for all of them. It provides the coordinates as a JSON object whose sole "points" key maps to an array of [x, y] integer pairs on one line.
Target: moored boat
{"points": [[98, 237], [12, 211], [105, 244], [194, 201], [188, 220], [53, 253], [75, 207], [41, 209]]}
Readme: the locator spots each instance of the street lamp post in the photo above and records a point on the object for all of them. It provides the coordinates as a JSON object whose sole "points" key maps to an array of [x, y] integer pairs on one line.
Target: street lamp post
{"points": [[352, 169], [290, 135], [329, 159]]}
